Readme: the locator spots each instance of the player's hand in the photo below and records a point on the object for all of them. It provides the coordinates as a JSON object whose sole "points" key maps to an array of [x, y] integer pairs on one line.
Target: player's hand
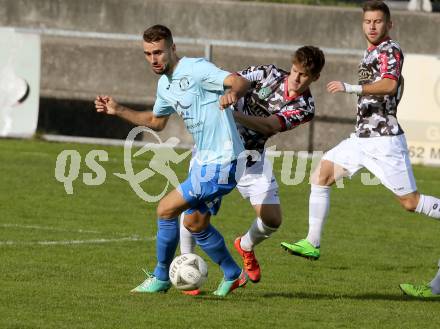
{"points": [[228, 99], [335, 87], [106, 104]]}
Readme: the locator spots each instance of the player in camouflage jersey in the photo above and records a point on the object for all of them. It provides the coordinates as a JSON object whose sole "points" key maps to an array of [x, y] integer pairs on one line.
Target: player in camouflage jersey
{"points": [[269, 96], [377, 113], [277, 101], [379, 143]]}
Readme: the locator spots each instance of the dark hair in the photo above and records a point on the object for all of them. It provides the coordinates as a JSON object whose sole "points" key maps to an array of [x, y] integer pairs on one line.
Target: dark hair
{"points": [[311, 58], [158, 32], [373, 5]]}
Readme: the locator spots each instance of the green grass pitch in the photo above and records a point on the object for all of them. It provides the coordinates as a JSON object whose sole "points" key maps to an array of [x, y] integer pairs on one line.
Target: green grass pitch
{"points": [[69, 261]]}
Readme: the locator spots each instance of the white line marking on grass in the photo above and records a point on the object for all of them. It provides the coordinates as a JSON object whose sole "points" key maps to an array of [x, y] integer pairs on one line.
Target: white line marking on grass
{"points": [[104, 141], [57, 229], [73, 242], [114, 159], [36, 153], [48, 228]]}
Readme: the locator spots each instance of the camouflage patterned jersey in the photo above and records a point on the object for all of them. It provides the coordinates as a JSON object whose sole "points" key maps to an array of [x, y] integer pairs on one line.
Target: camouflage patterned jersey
{"points": [[269, 96], [376, 115]]}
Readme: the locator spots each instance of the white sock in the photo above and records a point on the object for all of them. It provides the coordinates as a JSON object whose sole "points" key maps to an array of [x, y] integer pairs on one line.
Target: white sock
{"points": [[319, 205], [187, 242], [429, 206], [435, 283], [258, 232]]}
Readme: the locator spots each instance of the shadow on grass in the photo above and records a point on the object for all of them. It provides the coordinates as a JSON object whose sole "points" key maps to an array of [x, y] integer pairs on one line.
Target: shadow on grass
{"points": [[235, 296], [368, 296], [252, 297]]}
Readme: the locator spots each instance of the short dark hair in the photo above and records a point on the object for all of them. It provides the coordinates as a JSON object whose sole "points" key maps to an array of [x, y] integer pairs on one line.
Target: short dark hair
{"points": [[373, 5], [311, 58], [158, 32]]}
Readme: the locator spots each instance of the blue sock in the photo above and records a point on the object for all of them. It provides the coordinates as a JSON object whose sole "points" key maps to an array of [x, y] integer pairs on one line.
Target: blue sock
{"points": [[213, 244], [166, 244]]}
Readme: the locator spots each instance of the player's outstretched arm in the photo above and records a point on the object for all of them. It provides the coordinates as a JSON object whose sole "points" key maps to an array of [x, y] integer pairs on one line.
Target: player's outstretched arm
{"points": [[267, 126], [237, 87], [384, 86], [106, 104]]}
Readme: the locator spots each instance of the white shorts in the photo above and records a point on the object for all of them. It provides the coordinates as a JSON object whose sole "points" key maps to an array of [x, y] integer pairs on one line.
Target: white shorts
{"points": [[386, 157], [259, 184]]}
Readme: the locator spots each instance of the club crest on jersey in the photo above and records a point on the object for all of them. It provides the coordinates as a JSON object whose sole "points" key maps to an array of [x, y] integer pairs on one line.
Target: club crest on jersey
{"points": [[365, 75], [178, 106], [264, 93], [184, 84]]}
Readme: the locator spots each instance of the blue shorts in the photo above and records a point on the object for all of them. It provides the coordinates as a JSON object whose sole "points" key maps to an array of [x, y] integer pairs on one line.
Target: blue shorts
{"points": [[206, 185]]}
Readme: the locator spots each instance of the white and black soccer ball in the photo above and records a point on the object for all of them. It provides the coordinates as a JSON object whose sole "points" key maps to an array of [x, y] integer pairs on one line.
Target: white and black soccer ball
{"points": [[188, 272]]}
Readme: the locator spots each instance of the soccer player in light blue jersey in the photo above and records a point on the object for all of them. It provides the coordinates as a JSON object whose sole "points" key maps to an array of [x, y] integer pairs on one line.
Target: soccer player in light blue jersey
{"points": [[194, 88]]}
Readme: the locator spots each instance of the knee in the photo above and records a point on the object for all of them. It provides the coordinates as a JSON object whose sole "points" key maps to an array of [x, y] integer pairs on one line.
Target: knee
{"points": [[325, 180], [164, 211], [195, 225], [409, 204], [322, 178]]}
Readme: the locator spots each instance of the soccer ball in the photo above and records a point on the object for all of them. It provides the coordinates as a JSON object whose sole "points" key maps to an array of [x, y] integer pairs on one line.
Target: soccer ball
{"points": [[188, 272]]}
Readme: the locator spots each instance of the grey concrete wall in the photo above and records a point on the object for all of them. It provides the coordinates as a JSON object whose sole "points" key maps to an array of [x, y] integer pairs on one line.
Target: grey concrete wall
{"points": [[260, 22], [79, 68]]}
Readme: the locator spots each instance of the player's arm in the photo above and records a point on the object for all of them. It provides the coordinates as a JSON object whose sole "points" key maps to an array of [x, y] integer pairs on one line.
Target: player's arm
{"points": [[385, 86], [252, 74], [267, 126], [236, 86], [108, 105], [390, 67]]}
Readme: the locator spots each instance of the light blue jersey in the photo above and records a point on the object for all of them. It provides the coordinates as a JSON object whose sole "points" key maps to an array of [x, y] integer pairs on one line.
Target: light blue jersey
{"points": [[193, 92]]}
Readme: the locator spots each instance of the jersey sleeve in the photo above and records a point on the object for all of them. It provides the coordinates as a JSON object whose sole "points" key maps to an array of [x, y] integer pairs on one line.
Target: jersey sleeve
{"points": [[293, 117], [390, 60], [256, 73], [209, 76], [162, 107]]}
